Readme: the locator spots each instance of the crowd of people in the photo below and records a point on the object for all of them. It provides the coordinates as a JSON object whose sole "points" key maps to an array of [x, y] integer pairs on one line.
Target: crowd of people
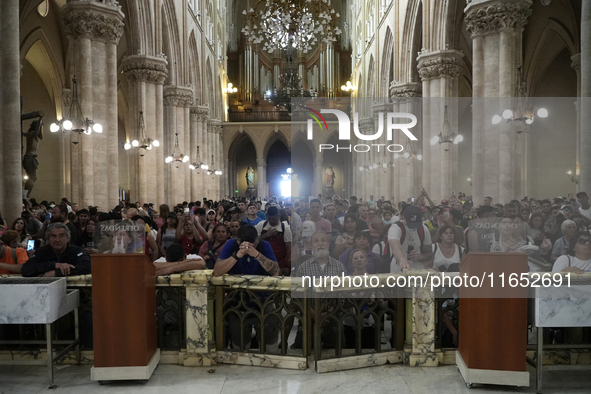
{"points": [[294, 237], [388, 237]]}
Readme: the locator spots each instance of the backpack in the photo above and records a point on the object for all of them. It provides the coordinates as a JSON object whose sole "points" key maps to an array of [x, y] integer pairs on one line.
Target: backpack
{"points": [[421, 231], [383, 265]]}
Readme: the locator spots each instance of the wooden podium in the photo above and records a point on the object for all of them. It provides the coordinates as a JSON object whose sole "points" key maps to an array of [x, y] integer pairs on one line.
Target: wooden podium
{"points": [[493, 321], [124, 317]]}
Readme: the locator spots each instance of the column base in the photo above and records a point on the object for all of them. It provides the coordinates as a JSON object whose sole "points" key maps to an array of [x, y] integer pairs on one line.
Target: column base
{"points": [[126, 373], [423, 360], [489, 376]]}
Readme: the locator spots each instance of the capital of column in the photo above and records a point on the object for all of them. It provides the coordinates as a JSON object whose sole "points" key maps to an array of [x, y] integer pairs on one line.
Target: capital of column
{"points": [[199, 113], [97, 21], [381, 107], [178, 96], [144, 68], [491, 16], [214, 126], [366, 124], [437, 64], [576, 62], [405, 91]]}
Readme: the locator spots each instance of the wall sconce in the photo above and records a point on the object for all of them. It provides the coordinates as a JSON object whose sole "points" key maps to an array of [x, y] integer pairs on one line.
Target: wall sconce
{"points": [[230, 89], [572, 178]]}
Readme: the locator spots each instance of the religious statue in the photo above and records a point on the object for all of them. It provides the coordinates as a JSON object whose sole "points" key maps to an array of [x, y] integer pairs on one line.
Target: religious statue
{"points": [[330, 176], [250, 177], [30, 162]]}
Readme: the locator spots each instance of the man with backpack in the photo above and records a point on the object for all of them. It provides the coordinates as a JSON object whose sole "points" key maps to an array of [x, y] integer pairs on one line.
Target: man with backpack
{"points": [[278, 234], [410, 240]]}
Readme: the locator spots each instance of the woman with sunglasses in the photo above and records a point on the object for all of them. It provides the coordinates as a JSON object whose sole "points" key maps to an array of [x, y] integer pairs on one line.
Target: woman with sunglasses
{"points": [[579, 258]]}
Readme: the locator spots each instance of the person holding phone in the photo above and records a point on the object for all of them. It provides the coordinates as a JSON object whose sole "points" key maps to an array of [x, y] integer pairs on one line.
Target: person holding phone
{"points": [[20, 227]]}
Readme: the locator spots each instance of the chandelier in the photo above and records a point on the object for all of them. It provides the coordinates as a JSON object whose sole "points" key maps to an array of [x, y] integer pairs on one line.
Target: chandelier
{"points": [[446, 136], [299, 24], [521, 115], [409, 153], [176, 155], [75, 121], [212, 170], [198, 164], [144, 143]]}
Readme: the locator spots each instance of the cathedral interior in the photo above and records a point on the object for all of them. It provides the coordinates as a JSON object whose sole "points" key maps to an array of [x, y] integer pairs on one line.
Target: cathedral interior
{"points": [[204, 80]]}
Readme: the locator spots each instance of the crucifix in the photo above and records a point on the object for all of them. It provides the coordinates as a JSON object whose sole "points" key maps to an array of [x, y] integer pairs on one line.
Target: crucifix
{"points": [[32, 136]]}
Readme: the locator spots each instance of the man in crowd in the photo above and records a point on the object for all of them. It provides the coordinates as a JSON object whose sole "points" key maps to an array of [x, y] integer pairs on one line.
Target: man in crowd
{"points": [[321, 223], [234, 227], [340, 211], [488, 200], [177, 261], [83, 216], [321, 264], [585, 208], [242, 210], [410, 240], [58, 257], [12, 257], [330, 214], [252, 219], [279, 236]]}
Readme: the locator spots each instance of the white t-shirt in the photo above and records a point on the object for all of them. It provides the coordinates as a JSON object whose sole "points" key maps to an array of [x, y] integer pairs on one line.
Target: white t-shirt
{"points": [[586, 212], [411, 239], [570, 261], [286, 234], [189, 257], [440, 260]]}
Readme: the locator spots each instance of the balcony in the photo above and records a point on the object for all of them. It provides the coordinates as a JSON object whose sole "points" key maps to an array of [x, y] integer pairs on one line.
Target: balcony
{"points": [[259, 116]]}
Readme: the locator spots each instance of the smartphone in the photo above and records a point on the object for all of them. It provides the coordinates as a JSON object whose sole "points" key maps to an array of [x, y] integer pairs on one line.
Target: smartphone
{"points": [[186, 211], [446, 211], [30, 245], [47, 216], [410, 249]]}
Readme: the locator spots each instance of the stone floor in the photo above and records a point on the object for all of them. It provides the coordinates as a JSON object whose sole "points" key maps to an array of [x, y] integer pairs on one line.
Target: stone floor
{"points": [[233, 379]]}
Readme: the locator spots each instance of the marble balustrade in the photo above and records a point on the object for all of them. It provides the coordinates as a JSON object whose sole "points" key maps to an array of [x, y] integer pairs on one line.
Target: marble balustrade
{"points": [[198, 290]]}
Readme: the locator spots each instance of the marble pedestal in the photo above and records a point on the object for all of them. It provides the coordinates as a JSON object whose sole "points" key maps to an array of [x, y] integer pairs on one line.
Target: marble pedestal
{"points": [[251, 192]]}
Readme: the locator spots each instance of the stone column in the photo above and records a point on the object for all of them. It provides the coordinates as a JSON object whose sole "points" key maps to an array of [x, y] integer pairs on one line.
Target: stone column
{"points": [[496, 28], [146, 74], [95, 29], [201, 141], [585, 177], [195, 118], [318, 175], [11, 167], [439, 71], [576, 65], [366, 126], [407, 97], [261, 171], [177, 101], [423, 328]]}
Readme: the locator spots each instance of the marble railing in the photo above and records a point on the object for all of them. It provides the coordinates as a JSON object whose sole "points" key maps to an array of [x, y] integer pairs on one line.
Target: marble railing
{"points": [[194, 330]]}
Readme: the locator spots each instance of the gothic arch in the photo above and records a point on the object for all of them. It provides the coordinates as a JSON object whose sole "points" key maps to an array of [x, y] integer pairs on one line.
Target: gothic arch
{"points": [[274, 137], [387, 64], [171, 44], [411, 44], [553, 40], [194, 70], [39, 53]]}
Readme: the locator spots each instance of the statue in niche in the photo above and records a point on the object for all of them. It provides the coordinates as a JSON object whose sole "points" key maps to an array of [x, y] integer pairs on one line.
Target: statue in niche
{"points": [[30, 162], [249, 178], [330, 176]]}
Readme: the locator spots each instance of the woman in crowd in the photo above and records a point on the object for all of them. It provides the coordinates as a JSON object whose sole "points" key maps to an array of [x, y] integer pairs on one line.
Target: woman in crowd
{"points": [[164, 210], [579, 258], [188, 236], [447, 254], [362, 240], [345, 240], [525, 214], [220, 210], [212, 217], [150, 248], [211, 249], [561, 246], [19, 226], [536, 223], [167, 233], [358, 260], [86, 239]]}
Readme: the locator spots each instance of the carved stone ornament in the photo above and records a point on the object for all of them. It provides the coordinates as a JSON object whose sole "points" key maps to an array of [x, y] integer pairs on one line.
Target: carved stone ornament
{"points": [[144, 69], [401, 92], [496, 17], [177, 96], [93, 20], [438, 64]]}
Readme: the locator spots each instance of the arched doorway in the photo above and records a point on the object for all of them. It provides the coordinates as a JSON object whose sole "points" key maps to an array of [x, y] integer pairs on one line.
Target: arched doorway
{"points": [[278, 161], [242, 155]]}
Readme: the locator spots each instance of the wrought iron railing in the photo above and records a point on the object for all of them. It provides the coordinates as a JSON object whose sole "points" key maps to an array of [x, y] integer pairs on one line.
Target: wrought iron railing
{"points": [[259, 116]]}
